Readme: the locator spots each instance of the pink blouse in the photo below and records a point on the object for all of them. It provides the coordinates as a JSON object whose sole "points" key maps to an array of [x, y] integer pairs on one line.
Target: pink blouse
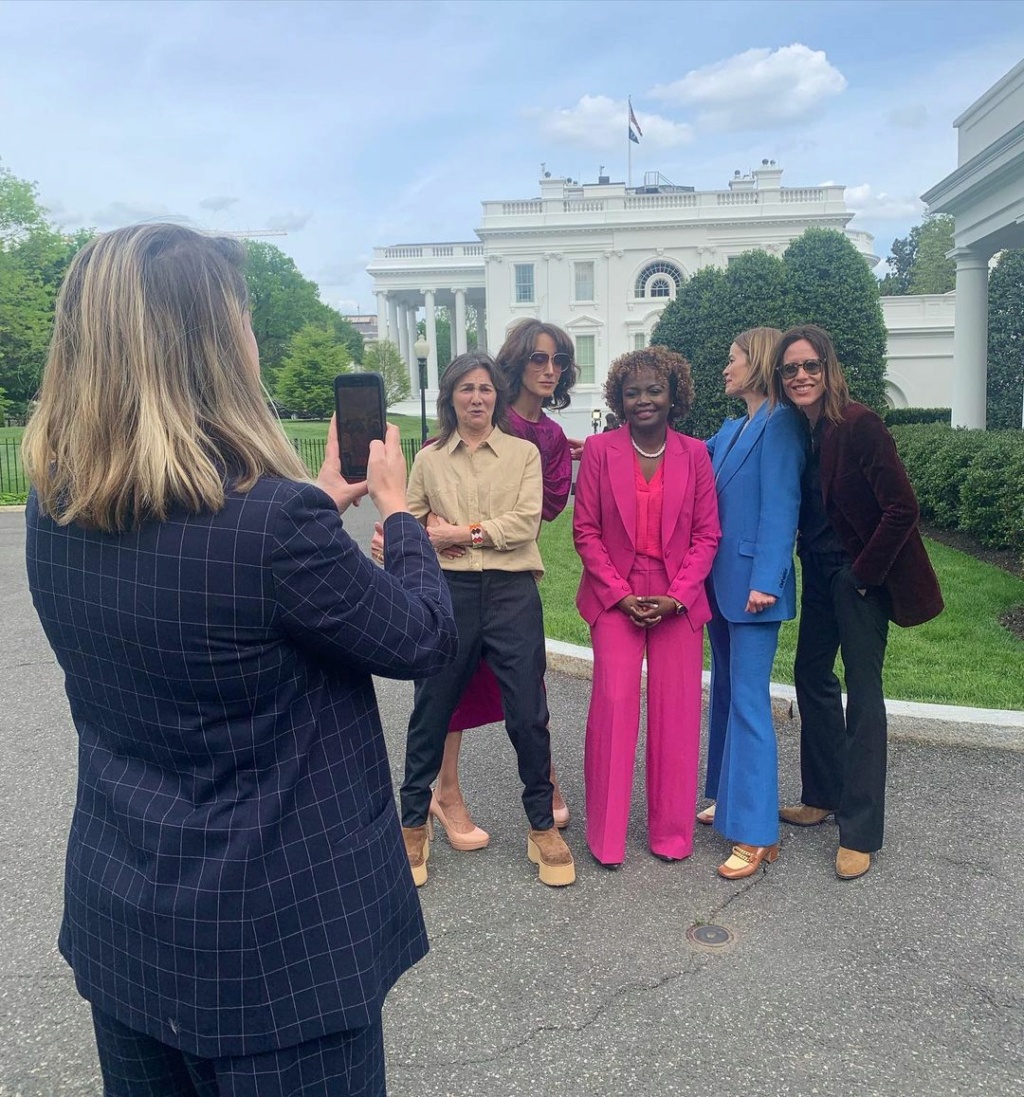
{"points": [[649, 496]]}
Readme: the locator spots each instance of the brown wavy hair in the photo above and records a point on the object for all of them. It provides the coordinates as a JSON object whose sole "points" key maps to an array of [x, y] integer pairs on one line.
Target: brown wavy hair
{"points": [[671, 368], [457, 369], [837, 393], [515, 353]]}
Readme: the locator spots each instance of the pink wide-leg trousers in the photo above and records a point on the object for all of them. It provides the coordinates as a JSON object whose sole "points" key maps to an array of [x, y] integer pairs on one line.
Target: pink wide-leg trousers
{"points": [[674, 652]]}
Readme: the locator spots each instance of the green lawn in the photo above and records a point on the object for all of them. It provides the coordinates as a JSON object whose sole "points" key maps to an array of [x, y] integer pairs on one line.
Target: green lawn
{"points": [[963, 657], [310, 435]]}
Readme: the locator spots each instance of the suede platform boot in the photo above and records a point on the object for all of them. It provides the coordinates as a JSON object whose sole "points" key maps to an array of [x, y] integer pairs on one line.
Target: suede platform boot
{"points": [[553, 858], [417, 849]]}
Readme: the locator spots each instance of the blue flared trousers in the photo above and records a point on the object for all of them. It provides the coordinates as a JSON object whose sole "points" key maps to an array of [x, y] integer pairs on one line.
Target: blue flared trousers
{"points": [[742, 772]]}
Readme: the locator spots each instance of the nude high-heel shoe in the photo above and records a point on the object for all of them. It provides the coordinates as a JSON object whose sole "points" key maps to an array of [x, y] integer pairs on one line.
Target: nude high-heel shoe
{"points": [[460, 840]]}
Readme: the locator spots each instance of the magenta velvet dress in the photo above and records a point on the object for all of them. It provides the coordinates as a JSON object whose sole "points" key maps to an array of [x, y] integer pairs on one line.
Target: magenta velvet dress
{"points": [[481, 699]]}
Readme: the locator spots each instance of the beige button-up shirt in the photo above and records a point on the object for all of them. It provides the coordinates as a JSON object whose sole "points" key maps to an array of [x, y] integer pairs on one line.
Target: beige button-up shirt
{"points": [[498, 485]]}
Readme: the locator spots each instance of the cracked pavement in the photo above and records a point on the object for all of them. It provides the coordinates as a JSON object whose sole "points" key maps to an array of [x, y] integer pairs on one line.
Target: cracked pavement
{"points": [[909, 981]]}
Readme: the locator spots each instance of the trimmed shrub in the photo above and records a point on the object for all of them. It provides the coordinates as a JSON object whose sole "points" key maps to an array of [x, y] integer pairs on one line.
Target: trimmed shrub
{"points": [[971, 480], [895, 417]]}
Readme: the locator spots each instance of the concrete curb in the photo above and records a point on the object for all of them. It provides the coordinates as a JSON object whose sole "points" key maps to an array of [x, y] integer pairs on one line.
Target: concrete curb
{"points": [[910, 721]]}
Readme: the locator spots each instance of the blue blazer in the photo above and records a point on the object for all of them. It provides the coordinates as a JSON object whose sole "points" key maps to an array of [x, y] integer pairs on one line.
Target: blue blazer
{"points": [[757, 477], [236, 879]]}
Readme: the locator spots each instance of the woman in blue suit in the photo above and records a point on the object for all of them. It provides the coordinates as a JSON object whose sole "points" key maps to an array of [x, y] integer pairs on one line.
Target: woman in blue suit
{"points": [[757, 461]]}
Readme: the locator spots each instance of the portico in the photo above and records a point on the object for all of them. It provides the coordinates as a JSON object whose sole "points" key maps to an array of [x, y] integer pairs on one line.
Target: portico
{"points": [[985, 195], [411, 277]]}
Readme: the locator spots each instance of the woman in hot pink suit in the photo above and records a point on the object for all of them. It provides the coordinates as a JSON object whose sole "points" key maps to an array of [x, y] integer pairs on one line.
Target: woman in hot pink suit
{"points": [[646, 528]]}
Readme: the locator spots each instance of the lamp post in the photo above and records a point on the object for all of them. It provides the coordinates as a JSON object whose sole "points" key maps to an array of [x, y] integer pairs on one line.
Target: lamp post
{"points": [[595, 420], [421, 348]]}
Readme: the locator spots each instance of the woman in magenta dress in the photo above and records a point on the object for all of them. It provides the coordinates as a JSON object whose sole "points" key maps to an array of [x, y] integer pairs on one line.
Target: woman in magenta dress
{"points": [[539, 362]]}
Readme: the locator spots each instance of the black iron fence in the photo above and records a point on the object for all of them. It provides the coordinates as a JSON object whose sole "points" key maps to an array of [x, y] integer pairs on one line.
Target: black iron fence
{"points": [[12, 475], [13, 482]]}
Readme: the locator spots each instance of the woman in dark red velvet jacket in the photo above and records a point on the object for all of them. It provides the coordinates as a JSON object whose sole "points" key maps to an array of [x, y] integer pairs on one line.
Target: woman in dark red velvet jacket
{"points": [[863, 565]]}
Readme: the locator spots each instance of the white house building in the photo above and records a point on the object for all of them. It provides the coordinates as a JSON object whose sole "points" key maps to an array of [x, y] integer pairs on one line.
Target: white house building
{"points": [[602, 260], [985, 195]]}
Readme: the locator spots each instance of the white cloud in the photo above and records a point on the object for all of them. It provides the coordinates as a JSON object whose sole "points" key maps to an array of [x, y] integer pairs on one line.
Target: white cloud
{"points": [[879, 206], [218, 203], [290, 222], [600, 122], [757, 89]]}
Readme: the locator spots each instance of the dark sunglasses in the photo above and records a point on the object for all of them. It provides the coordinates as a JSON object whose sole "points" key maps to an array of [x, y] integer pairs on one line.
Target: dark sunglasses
{"points": [[812, 367], [539, 360]]}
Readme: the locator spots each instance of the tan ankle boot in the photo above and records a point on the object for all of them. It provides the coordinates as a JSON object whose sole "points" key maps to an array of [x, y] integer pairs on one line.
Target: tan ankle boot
{"points": [[548, 851], [417, 849]]}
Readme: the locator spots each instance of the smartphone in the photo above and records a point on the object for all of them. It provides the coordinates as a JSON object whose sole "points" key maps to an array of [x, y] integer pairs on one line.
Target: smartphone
{"points": [[359, 404]]}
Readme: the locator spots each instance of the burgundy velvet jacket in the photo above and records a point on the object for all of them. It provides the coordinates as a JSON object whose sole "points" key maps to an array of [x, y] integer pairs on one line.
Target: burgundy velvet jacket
{"points": [[872, 507]]}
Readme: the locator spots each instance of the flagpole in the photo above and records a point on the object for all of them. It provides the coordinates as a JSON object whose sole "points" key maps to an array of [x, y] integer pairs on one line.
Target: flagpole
{"points": [[629, 145]]}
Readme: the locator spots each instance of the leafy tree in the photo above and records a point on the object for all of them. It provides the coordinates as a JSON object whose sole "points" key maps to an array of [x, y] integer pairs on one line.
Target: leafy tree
{"points": [[385, 358], [709, 311], [1006, 342], [305, 381], [932, 272], [33, 260], [917, 262], [829, 284], [20, 212], [283, 301]]}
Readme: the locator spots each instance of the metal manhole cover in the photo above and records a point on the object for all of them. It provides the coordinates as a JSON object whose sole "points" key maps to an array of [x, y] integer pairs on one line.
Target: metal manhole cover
{"points": [[711, 936]]}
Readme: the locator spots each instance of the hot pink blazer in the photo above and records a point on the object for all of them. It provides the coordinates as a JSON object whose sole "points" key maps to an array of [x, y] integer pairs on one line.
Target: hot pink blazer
{"points": [[604, 522]]}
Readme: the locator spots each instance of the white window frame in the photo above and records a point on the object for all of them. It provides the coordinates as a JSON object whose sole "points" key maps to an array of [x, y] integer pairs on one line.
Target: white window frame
{"points": [[577, 299], [517, 287]]}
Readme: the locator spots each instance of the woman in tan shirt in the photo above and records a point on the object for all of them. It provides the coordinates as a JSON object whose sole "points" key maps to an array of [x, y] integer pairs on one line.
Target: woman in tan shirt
{"points": [[482, 489]]}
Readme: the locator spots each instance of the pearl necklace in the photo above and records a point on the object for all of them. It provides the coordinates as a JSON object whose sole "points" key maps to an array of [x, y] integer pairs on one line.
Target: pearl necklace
{"points": [[650, 456]]}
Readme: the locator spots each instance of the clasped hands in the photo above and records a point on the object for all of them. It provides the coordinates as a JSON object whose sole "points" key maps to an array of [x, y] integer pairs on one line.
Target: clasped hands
{"points": [[647, 611], [439, 531]]}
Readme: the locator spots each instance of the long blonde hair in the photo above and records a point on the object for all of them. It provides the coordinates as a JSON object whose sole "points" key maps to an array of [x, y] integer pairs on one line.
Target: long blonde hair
{"points": [[150, 397]]}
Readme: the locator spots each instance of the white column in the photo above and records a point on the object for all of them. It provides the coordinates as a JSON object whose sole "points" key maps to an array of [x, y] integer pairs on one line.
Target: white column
{"points": [[970, 339], [453, 343], [382, 315], [431, 328], [402, 332], [411, 335], [394, 331], [459, 321], [481, 328]]}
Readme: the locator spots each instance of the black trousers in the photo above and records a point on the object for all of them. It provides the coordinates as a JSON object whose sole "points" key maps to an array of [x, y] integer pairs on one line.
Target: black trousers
{"points": [[842, 758], [499, 618], [342, 1064]]}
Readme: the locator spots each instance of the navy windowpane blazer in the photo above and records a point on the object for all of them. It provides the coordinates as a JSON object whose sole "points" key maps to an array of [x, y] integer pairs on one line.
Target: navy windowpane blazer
{"points": [[236, 879]]}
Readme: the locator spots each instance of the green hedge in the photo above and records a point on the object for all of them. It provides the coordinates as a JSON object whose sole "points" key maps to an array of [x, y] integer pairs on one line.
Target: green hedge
{"points": [[900, 416], [971, 480]]}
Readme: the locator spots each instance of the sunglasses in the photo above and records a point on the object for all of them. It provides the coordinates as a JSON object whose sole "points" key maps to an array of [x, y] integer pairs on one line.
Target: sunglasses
{"points": [[539, 360], [812, 367]]}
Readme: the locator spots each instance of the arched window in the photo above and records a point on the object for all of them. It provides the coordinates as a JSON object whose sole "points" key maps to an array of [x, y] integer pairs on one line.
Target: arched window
{"points": [[658, 279], [659, 287]]}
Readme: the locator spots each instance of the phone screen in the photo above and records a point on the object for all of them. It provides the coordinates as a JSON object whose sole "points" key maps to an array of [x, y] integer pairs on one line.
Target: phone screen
{"points": [[359, 403]]}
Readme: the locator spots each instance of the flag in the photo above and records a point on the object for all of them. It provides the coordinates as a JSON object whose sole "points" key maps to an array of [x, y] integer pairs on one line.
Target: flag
{"points": [[635, 132]]}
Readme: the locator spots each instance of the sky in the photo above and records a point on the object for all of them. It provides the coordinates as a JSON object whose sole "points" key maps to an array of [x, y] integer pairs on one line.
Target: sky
{"points": [[378, 122]]}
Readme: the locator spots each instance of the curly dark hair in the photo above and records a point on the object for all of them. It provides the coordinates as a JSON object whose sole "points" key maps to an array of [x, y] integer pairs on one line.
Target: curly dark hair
{"points": [[515, 353], [457, 369], [666, 365]]}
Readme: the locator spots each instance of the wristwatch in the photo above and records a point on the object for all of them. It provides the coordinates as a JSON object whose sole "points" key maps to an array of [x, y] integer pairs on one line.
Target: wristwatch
{"points": [[680, 608]]}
